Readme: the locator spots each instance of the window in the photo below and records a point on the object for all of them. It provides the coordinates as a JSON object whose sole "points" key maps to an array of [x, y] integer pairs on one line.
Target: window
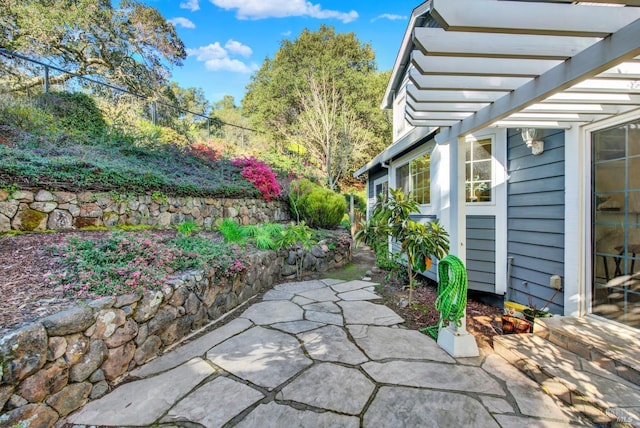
{"points": [[479, 170], [415, 178]]}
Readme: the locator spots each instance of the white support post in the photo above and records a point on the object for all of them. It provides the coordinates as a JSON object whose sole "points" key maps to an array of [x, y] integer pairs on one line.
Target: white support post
{"points": [[457, 341]]}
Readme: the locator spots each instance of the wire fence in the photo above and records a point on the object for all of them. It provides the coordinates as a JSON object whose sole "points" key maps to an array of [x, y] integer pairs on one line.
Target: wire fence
{"points": [[21, 76]]}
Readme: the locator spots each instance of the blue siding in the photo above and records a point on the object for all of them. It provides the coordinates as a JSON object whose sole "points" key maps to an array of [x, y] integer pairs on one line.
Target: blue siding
{"points": [[481, 253], [535, 218]]}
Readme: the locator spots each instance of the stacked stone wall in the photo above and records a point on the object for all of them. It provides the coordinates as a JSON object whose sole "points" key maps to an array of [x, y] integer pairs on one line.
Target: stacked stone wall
{"points": [[40, 209], [51, 367]]}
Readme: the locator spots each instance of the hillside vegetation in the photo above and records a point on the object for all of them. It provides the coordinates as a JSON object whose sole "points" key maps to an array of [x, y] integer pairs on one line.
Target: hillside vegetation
{"points": [[62, 141]]}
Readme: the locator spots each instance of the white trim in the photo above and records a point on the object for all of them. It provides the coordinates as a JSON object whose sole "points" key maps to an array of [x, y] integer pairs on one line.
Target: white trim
{"points": [[497, 207], [531, 17], [437, 41], [575, 233], [419, 151], [372, 198], [585, 227]]}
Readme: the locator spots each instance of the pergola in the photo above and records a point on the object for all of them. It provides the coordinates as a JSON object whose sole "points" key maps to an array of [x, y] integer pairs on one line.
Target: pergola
{"points": [[518, 64]]}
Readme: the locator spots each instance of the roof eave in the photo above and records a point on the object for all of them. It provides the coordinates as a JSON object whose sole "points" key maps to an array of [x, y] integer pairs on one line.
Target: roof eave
{"points": [[403, 60]]}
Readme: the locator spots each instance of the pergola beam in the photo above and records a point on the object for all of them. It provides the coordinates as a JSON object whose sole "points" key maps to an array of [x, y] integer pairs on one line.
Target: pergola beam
{"points": [[521, 17], [452, 106], [603, 55], [463, 66], [436, 41], [453, 96], [462, 83]]}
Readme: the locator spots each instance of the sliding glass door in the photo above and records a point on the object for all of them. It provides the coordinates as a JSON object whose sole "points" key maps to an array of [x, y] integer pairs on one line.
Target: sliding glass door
{"points": [[616, 223]]}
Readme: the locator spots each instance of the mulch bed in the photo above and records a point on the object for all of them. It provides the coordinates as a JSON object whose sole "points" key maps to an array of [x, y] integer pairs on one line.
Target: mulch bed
{"points": [[483, 320]]}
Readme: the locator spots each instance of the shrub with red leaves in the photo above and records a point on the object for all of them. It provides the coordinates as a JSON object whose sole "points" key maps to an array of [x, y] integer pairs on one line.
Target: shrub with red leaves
{"points": [[260, 175], [205, 152]]}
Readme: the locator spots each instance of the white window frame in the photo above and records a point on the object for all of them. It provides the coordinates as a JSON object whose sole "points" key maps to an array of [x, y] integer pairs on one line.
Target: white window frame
{"points": [[373, 197], [578, 234], [470, 140], [428, 148]]}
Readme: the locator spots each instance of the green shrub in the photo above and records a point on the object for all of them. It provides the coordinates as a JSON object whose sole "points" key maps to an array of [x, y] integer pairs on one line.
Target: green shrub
{"points": [[76, 112], [317, 206], [231, 231]]}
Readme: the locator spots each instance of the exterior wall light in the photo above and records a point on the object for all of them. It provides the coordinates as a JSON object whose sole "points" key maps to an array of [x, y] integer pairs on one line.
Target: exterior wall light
{"points": [[529, 136]]}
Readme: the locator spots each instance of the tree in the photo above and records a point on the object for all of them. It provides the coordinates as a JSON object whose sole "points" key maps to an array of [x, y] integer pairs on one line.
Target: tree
{"points": [[323, 70], [131, 46], [187, 100], [327, 127]]}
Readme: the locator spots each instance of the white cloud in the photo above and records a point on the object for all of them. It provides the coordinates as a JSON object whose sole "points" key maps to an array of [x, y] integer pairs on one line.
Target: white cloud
{"points": [[228, 64], [182, 22], [286, 33], [390, 17], [192, 5], [218, 58], [260, 9], [238, 48]]}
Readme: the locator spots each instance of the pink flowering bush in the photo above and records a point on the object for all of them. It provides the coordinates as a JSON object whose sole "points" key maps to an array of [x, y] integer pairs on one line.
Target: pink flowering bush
{"points": [[260, 175]]}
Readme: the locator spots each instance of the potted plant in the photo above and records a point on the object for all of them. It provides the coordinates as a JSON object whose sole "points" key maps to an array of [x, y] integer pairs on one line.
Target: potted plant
{"points": [[532, 312]]}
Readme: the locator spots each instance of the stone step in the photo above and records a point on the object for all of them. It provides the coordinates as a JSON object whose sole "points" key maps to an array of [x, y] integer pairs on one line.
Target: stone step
{"points": [[601, 395], [611, 347]]}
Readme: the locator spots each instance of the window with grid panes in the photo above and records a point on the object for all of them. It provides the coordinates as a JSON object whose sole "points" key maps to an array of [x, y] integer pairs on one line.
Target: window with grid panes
{"points": [[414, 178], [479, 173]]}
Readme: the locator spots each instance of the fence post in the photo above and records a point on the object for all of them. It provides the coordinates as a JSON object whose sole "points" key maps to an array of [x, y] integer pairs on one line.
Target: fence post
{"points": [[153, 112], [352, 213], [46, 79]]}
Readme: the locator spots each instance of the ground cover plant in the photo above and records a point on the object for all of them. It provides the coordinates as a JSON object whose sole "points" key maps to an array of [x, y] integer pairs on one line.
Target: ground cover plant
{"points": [[123, 262], [60, 141]]}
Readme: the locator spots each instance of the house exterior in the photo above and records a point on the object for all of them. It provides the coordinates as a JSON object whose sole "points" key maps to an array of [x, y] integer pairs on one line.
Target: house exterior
{"points": [[517, 125]]}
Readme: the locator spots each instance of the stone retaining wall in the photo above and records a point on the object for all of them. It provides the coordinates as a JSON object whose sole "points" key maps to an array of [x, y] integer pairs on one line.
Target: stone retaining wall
{"points": [[52, 367], [41, 209]]}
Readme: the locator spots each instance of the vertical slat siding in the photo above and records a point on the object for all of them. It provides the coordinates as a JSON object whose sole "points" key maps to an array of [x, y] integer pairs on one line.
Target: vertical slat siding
{"points": [[481, 252], [535, 218]]}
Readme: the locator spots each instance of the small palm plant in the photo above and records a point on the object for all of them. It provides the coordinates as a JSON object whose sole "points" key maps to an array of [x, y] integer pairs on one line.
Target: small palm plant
{"points": [[419, 242]]}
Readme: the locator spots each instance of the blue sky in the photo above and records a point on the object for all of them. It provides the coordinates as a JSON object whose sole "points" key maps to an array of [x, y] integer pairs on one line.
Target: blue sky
{"points": [[227, 40]]}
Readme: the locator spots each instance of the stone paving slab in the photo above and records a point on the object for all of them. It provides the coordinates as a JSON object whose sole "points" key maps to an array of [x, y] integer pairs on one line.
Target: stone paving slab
{"points": [[351, 285], [144, 401], [214, 404], [295, 327], [323, 307], [317, 387], [274, 415], [531, 401], [331, 344], [408, 407], [368, 313], [361, 294], [324, 317], [263, 357], [277, 295], [320, 295], [407, 344], [196, 348], [299, 287], [509, 421], [434, 375], [272, 312]]}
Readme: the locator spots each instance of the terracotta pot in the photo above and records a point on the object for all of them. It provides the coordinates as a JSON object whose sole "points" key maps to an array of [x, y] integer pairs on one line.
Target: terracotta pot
{"points": [[513, 325]]}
